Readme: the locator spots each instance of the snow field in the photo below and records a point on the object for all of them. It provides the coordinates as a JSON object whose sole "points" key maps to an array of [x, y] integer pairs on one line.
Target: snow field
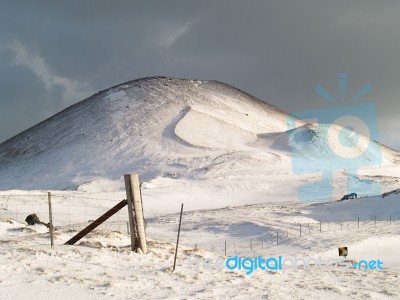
{"points": [[101, 266]]}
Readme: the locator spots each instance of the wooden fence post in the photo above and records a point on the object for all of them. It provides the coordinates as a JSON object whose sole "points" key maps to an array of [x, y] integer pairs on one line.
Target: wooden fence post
{"points": [[108, 214], [135, 211]]}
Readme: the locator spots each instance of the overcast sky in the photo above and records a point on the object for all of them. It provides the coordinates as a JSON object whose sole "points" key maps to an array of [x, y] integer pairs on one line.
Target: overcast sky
{"points": [[56, 53]]}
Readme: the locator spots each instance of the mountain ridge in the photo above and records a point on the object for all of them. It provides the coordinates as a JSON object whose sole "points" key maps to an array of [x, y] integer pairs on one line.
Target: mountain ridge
{"points": [[160, 127]]}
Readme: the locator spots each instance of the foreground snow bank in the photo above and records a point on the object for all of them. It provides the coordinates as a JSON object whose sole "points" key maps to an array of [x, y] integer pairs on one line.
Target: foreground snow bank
{"points": [[101, 266]]}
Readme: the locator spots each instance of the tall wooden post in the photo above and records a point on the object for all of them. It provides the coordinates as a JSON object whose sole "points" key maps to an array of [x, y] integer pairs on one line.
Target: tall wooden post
{"points": [[130, 213], [135, 211], [50, 221]]}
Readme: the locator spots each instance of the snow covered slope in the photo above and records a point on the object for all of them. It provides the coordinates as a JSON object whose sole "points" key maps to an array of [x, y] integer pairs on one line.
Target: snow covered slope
{"points": [[198, 134]]}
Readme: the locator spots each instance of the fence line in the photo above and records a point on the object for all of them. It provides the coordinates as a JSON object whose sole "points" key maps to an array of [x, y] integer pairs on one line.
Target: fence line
{"points": [[256, 244], [77, 215]]}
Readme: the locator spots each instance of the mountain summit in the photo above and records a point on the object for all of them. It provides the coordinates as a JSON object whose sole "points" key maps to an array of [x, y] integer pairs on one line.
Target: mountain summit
{"points": [[166, 129]]}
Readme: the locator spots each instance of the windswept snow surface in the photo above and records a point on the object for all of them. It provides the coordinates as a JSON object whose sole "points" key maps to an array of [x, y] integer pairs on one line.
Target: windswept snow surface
{"points": [[101, 266]]}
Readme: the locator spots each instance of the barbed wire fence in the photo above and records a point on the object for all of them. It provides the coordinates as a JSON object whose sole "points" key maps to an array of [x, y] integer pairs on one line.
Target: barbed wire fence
{"points": [[295, 235], [73, 212]]}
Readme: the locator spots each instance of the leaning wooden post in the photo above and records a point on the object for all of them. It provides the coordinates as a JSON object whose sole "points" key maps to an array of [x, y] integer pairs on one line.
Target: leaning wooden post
{"points": [[177, 239], [100, 220], [50, 221], [135, 211]]}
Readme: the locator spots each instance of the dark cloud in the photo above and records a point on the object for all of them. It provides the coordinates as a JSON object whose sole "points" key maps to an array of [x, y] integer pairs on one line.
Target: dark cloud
{"points": [[277, 50]]}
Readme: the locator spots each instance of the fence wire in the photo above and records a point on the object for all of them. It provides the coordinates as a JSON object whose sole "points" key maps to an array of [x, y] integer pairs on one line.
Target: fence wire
{"points": [[74, 213]]}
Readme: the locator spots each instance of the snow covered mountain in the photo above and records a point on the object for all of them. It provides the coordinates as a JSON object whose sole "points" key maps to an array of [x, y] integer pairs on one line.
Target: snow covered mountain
{"points": [[174, 132]]}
